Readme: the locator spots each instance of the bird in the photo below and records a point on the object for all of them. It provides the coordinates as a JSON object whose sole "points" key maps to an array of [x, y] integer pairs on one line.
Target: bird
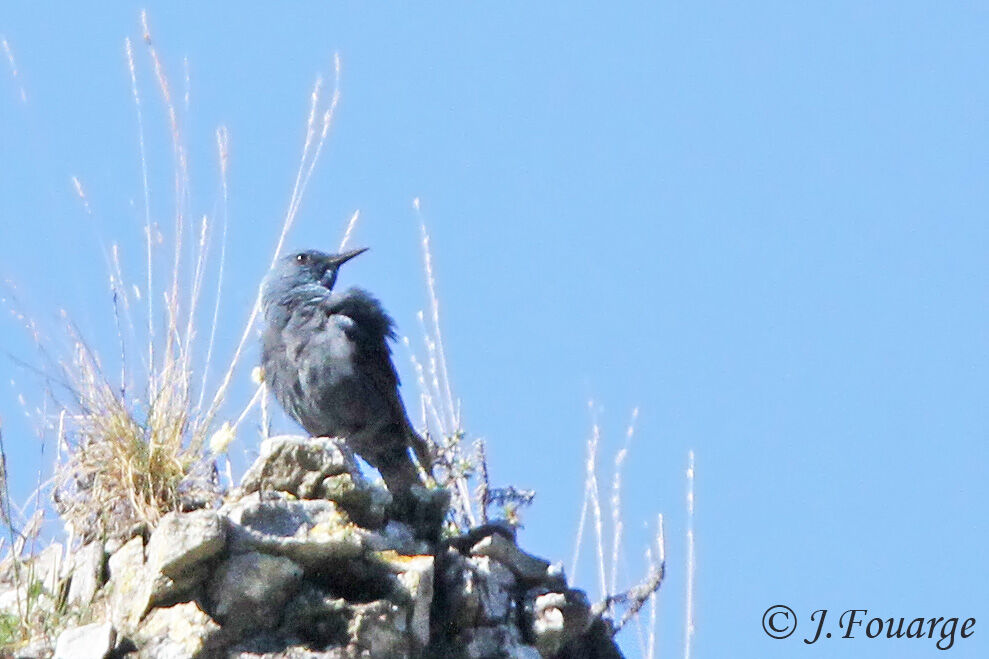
{"points": [[326, 357]]}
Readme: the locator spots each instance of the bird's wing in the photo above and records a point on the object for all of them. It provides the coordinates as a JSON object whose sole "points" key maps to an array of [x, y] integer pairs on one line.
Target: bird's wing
{"points": [[369, 329]]}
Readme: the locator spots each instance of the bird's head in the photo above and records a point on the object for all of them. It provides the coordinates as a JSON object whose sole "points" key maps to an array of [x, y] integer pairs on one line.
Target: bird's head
{"points": [[302, 270]]}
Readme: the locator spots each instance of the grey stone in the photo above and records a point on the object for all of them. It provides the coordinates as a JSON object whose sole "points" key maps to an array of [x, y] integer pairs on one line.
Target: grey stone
{"points": [[295, 652], [317, 617], [93, 641], [178, 632], [558, 619], [165, 591], [396, 536], [459, 584], [380, 629], [365, 503], [496, 642], [415, 575], [297, 465], [525, 566], [308, 532], [88, 574], [495, 585], [182, 541], [129, 587], [13, 599], [249, 590], [430, 509], [46, 567], [37, 648]]}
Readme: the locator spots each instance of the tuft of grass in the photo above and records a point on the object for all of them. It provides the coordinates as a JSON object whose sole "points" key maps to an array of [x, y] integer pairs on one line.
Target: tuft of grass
{"points": [[126, 460], [124, 466]]}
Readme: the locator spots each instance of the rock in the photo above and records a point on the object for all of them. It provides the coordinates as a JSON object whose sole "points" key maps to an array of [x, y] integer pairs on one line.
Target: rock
{"points": [[525, 566], [495, 586], [317, 618], [178, 632], [307, 532], [179, 552], [87, 569], [46, 567], [415, 575], [298, 465], [501, 641], [557, 620], [460, 598], [379, 629], [128, 587], [93, 641], [13, 599], [249, 590], [397, 537], [430, 506], [166, 591], [183, 541], [37, 648], [308, 565], [366, 504], [475, 591]]}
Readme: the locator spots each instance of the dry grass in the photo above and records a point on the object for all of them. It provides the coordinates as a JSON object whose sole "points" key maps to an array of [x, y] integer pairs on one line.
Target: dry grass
{"points": [[135, 444], [623, 605]]}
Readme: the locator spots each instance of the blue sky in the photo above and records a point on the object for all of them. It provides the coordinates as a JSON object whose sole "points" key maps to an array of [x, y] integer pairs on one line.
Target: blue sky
{"points": [[762, 225]]}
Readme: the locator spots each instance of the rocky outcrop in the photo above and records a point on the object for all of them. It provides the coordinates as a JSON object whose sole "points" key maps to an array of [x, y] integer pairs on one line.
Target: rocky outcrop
{"points": [[303, 561]]}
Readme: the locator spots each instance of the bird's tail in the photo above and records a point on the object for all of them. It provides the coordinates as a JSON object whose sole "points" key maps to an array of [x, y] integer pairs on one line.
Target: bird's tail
{"points": [[420, 447], [389, 454]]}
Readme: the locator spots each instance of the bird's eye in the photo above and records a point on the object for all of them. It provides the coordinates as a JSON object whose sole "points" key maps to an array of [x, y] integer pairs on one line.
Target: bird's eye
{"points": [[302, 258]]}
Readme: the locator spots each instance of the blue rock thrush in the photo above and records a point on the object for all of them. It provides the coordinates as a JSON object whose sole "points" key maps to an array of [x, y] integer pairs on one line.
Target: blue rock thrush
{"points": [[327, 359]]}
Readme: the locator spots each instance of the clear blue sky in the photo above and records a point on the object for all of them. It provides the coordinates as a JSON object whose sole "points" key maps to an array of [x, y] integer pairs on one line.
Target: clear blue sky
{"points": [[764, 224]]}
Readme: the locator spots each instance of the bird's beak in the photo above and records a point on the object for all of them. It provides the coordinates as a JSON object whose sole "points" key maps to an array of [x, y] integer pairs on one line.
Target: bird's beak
{"points": [[339, 259]]}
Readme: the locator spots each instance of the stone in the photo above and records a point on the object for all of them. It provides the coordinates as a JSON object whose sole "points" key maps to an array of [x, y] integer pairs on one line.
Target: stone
{"points": [[317, 618], [396, 536], [13, 599], [525, 566], [415, 575], [179, 553], [37, 648], [366, 504], [165, 591], [46, 567], [87, 574], [249, 590], [557, 620], [495, 586], [178, 632], [501, 641], [297, 465], [379, 629], [128, 587], [430, 507], [93, 641], [183, 541], [307, 532], [457, 585]]}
